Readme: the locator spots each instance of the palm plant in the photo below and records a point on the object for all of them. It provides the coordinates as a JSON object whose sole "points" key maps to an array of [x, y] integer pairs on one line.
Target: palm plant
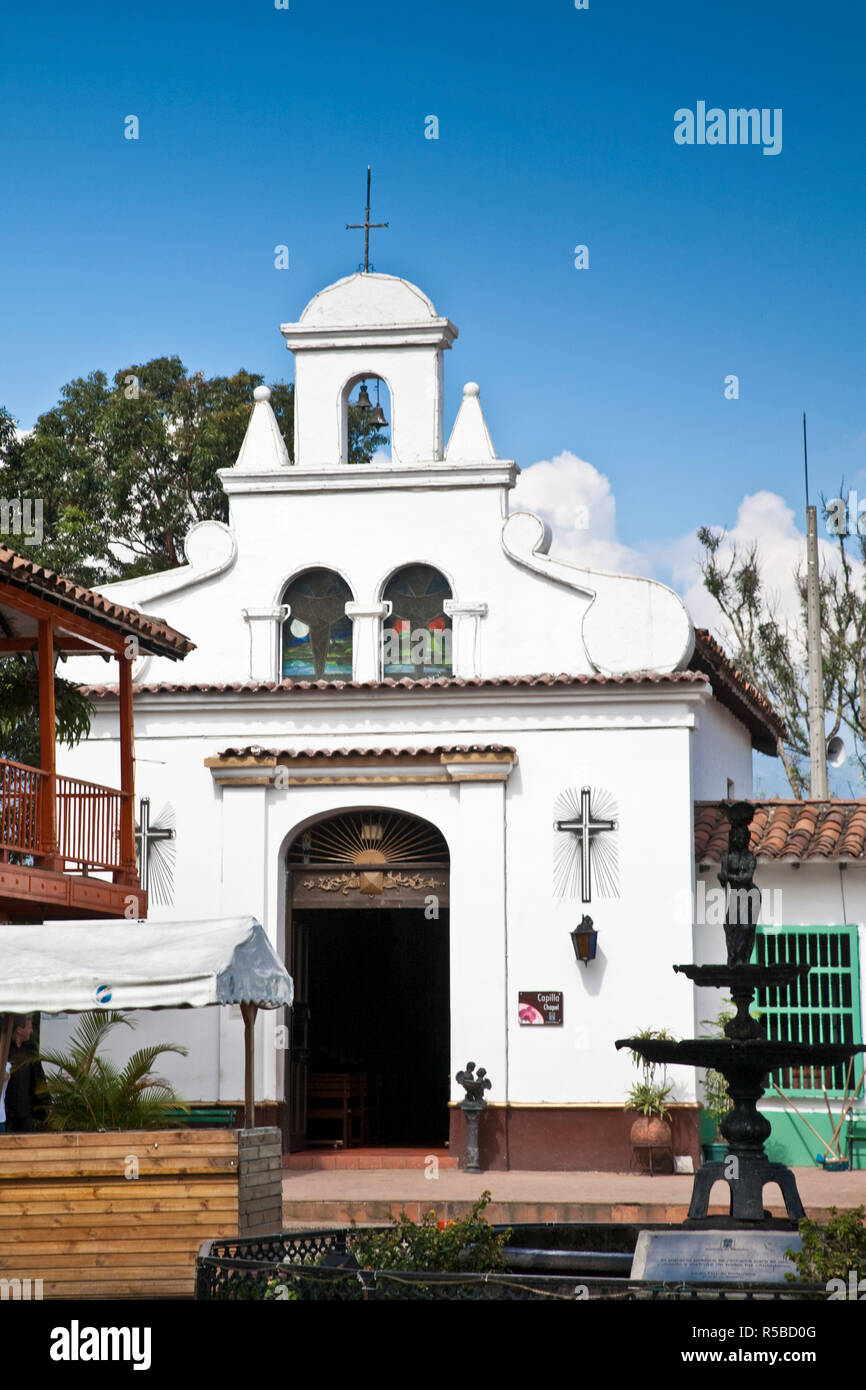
{"points": [[89, 1092]]}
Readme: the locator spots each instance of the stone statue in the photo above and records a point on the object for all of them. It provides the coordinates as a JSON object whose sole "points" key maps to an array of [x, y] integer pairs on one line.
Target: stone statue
{"points": [[737, 874], [473, 1085], [473, 1108]]}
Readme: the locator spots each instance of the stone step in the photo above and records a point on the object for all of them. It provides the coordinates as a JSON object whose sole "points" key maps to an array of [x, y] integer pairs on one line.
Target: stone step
{"points": [[381, 1211], [358, 1160]]}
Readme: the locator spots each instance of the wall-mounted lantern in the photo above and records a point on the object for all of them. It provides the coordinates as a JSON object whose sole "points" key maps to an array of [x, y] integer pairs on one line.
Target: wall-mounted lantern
{"points": [[584, 939]]}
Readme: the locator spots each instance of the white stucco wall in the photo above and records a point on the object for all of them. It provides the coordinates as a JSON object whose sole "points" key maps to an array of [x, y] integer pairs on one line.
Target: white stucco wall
{"points": [[508, 930], [722, 750]]}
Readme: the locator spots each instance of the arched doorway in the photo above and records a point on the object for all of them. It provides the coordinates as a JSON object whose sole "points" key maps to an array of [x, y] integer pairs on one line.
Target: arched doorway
{"points": [[367, 947]]}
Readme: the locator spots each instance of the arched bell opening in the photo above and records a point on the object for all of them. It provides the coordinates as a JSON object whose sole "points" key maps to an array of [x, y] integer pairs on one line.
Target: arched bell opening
{"points": [[366, 419], [367, 939]]}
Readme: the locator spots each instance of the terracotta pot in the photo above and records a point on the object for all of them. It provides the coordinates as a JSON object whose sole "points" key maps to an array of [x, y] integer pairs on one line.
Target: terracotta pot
{"points": [[652, 1141]]}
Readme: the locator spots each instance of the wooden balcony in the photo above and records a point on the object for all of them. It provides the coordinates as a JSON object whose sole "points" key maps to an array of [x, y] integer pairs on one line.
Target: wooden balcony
{"points": [[67, 847], [56, 833]]}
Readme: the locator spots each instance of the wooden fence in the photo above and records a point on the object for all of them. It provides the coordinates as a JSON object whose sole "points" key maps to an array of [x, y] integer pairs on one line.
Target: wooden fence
{"points": [[114, 1215]]}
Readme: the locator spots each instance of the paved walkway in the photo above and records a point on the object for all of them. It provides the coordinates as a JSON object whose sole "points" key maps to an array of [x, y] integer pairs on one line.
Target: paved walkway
{"points": [[335, 1197]]}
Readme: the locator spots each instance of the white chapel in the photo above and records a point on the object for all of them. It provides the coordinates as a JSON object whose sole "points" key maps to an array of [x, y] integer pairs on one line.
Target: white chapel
{"points": [[422, 751]]}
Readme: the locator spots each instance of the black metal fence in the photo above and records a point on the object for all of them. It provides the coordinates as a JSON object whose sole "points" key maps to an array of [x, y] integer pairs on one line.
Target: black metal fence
{"points": [[542, 1262]]}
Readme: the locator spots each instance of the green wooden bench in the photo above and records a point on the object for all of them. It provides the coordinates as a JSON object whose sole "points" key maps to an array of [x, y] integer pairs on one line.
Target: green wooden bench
{"points": [[204, 1117], [856, 1135]]}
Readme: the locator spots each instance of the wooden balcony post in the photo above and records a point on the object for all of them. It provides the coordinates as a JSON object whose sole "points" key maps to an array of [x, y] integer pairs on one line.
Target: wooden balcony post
{"points": [[48, 846], [128, 873]]}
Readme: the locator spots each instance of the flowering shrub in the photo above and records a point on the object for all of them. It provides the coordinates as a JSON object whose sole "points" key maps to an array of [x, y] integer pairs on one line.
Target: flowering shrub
{"points": [[433, 1245]]}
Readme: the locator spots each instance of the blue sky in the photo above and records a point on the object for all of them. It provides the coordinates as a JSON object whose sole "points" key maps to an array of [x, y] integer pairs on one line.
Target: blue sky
{"points": [[556, 129]]}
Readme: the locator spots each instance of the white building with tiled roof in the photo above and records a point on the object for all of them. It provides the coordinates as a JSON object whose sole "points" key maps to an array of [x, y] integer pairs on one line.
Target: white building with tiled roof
{"points": [[421, 750], [811, 869]]}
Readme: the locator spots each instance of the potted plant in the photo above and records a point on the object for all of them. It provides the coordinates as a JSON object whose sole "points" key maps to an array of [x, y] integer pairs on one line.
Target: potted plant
{"points": [[651, 1137], [717, 1102]]}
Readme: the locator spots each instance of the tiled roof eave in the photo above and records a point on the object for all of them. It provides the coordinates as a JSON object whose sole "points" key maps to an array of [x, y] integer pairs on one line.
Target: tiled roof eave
{"points": [[790, 832], [154, 634], [745, 700], [546, 681]]}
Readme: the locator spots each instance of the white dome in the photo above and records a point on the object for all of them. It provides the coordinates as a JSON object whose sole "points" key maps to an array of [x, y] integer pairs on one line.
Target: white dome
{"points": [[368, 300]]}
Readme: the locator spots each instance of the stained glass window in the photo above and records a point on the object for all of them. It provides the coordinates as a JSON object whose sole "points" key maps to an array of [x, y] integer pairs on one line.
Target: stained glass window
{"points": [[416, 638], [317, 636]]}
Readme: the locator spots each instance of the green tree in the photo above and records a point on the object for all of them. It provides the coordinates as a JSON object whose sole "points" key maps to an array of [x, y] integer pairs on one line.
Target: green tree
{"points": [[771, 651], [19, 711], [19, 680], [125, 467]]}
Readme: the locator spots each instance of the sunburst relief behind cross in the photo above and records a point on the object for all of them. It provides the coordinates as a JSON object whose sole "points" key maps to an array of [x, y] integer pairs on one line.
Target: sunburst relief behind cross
{"points": [[574, 856], [155, 848]]}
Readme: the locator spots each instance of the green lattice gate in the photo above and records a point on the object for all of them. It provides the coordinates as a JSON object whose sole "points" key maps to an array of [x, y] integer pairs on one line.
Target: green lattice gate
{"points": [[825, 1007]]}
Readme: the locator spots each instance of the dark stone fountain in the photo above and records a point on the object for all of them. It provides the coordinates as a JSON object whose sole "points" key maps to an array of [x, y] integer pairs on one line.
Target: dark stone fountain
{"points": [[745, 1055]]}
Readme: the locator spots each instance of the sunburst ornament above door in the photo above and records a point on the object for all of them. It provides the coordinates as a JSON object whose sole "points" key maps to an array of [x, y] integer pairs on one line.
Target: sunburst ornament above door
{"points": [[369, 837], [586, 844]]}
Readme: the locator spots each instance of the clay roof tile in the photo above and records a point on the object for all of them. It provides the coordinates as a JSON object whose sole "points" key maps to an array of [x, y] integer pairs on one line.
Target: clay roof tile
{"points": [[822, 831]]}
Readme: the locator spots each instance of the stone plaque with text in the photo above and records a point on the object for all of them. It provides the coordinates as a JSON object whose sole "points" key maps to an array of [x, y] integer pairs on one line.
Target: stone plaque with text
{"points": [[708, 1257]]}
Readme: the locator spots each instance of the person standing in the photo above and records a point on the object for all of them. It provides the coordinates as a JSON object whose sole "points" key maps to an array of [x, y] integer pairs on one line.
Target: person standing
{"points": [[3, 1098], [25, 1092]]}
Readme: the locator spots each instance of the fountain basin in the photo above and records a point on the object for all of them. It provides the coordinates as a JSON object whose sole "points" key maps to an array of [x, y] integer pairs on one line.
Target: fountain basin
{"points": [[720, 1053]]}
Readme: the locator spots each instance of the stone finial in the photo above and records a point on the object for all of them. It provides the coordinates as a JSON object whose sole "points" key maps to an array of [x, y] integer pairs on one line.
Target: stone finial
{"points": [[470, 438], [264, 449]]}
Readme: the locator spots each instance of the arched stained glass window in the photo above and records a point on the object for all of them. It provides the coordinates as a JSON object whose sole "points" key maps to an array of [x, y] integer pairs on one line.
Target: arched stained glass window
{"points": [[416, 638], [317, 635]]}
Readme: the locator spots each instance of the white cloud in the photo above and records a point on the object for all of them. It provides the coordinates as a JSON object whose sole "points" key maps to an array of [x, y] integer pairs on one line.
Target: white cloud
{"points": [[578, 505], [763, 519]]}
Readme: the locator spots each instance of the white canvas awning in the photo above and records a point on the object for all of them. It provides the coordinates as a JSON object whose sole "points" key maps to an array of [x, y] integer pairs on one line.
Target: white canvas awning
{"points": [[71, 967]]}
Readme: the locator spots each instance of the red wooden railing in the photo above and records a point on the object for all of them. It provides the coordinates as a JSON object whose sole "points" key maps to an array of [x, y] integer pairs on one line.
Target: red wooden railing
{"points": [[88, 823], [88, 817], [20, 806]]}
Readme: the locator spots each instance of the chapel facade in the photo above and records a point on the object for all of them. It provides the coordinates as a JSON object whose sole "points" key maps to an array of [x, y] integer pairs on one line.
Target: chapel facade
{"points": [[423, 751]]}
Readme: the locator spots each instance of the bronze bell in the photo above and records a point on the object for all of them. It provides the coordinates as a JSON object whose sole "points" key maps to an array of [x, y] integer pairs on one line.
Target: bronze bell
{"points": [[377, 419], [363, 399]]}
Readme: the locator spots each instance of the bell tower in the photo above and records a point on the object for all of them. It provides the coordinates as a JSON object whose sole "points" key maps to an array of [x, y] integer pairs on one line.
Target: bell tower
{"points": [[368, 325]]}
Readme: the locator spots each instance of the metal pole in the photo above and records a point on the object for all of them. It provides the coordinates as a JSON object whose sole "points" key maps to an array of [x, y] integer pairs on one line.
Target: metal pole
{"points": [[248, 1012], [818, 786]]}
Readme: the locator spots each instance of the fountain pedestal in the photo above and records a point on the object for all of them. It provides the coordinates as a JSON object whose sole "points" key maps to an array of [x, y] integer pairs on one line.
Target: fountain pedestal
{"points": [[745, 1055], [744, 1063]]}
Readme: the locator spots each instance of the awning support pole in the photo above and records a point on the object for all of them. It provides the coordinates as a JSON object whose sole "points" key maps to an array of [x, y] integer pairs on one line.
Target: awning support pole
{"points": [[248, 1012]]}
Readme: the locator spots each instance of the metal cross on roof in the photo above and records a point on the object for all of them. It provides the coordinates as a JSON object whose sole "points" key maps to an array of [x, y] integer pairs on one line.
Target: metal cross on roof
{"points": [[585, 827], [366, 224]]}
